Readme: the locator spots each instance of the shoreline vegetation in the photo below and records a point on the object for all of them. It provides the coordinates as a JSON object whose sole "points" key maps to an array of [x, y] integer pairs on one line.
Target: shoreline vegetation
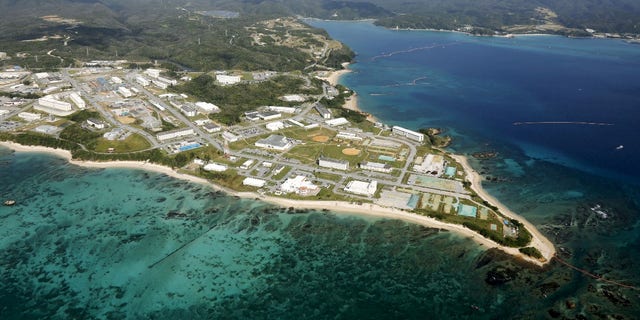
{"points": [[538, 241]]}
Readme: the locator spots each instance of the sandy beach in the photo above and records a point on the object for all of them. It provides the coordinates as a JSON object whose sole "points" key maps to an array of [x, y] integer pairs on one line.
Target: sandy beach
{"points": [[351, 103], [539, 241]]}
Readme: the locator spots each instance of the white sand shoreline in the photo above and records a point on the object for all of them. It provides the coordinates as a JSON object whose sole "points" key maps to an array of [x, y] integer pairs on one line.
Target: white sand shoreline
{"points": [[351, 103], [371, 210]]}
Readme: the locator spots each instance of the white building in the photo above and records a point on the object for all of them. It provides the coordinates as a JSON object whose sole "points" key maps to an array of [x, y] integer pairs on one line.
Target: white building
{"points": [[253, 182], [323, 111], [337, 122], [274, 142], [348, 136], [275, 126], [188, 111], [300, 185], [168, 81], [432, 163], [215, 167], [297, 123], [96, 123], [408, 133], [116, 80], [75, 98], [28, 116], [211, 127], [163, 136], [3, 55], [207, 107], [282, 109], [376, 166], [247, 164], [293, 98], [153, 73], [230, 137], [52, 102], [333, 163], [125, 92], [362, 188], [143, 81], [228, 80], [160, 84]]}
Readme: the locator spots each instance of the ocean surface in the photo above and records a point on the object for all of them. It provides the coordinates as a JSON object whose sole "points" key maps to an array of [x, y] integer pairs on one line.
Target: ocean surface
{"points": [[128, 244]]}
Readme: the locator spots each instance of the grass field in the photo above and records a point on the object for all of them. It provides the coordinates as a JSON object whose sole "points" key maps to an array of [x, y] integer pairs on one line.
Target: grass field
{"points": [[133, 143]]}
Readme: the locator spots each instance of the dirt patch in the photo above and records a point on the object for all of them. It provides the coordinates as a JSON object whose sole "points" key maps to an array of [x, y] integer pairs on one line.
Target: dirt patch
{"points": [[320, 138], [126, 120], [351, 151]]}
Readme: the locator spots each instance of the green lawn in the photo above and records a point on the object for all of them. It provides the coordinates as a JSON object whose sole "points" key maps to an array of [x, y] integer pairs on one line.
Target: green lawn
{"points": [[134, 142]]}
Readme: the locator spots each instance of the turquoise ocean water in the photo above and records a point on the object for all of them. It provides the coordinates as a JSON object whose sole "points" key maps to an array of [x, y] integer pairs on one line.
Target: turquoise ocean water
{"points": [[121, 243]]}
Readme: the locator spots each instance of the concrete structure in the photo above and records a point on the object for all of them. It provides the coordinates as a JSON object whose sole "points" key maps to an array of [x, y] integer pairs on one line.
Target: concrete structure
{"points": [[47, 129], [275, 126], [96, 123], [417, 136], [253, 182], [230, 137], [300, 185], [228, 80], [116, 80], [269, 115], [28, 116], [337, 122], [51, 105], [163, 136], [433, 164], [247, 164], [333, 163], [299, 124], [75, 98], [274, 142], [323, 111], [362, 188], [293, 98], [168, 81], [348, 136], [153, 73], [376, 166], [215, 167], [125, 92], [188, 111], [211, 127], [282, 109], [143, 81], [207, 107], [160, 84], [252, 116]]}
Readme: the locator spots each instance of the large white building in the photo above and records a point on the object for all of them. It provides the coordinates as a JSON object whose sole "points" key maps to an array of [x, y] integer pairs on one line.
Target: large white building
{"points": [[207, 107], [293, 98], [300, 185], [153, 73], [230, 137], [168, 81], [433, 164], [323, 111], [75, 97], [163, 136], [50, 104], [408, 133], [274, 142], [215, 167], [125, 92], [362, 188], [275, 126], [143, 81], [333, 163], [337, 122], [348, 136], [227, 79], [376, 166], [282, 109], [188, 111], [160, 84], [28, 116], [253, 182]]}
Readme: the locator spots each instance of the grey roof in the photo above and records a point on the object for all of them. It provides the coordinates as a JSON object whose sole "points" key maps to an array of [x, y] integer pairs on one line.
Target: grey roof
{"points": [[275, 140]]}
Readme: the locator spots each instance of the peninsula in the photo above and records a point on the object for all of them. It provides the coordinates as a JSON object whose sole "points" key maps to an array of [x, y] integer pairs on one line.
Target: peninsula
{"points": [[291, 138]]}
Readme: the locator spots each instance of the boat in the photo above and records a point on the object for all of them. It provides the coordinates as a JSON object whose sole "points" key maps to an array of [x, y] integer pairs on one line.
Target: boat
{"points": [[9, 202], [620, 147]]}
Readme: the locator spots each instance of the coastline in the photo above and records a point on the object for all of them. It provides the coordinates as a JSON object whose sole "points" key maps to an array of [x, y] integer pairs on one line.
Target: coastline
{"points": [[351, 102], [544, 245]]}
